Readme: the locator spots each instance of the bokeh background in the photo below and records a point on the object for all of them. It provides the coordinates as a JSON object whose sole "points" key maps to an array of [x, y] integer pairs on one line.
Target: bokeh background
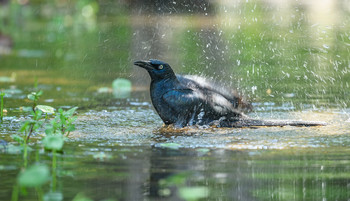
{"points": [[287, 51]]}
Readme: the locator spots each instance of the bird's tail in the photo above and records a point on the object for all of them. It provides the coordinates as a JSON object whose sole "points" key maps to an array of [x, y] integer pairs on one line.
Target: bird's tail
{"points": [[269, 123]]}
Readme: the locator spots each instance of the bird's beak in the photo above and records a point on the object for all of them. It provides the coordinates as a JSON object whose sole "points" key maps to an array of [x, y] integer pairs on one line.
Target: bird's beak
{"points": [[144, 64]]}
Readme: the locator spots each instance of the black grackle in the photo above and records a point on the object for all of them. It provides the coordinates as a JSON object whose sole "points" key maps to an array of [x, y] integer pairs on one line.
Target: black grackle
{"points": [[186, 100]]}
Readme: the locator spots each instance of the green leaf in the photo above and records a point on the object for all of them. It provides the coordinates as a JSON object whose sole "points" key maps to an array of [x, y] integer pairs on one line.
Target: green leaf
{"points": [[71, 120], [45, 109], [70, 112], [17, 138], [25, 126], [39, 93], [49, 130], [60, 110], [70, 128], [193, 193], [34, 176], [53, 142], [35, 96], [31, 97]]}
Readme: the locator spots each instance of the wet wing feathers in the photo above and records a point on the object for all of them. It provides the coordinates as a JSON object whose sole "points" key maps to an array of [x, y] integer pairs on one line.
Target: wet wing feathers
{"points": [[181, 99], [206, 84]]}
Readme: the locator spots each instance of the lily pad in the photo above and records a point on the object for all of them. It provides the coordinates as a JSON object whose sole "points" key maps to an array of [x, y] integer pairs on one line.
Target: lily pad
{"points": [[169, 145], [203, 150], [34, 176], [121, 88], [6, 79], [12, 91], [193, 193], [31, 53]]}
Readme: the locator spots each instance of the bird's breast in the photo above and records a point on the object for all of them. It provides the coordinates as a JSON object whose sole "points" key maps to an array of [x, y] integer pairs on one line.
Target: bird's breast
{"points": [[165, 112]]}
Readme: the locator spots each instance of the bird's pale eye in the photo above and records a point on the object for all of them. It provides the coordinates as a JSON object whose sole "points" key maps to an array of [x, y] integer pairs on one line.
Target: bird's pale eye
{"points": [[160, 67]]}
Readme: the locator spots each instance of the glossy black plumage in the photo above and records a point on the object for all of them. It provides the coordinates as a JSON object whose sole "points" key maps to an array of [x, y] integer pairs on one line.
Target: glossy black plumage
{"points": [[186, 100]]}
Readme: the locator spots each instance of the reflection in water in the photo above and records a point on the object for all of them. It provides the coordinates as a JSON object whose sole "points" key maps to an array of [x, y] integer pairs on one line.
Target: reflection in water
{"points": [[137, 173], [162, 166], [6, 44]]}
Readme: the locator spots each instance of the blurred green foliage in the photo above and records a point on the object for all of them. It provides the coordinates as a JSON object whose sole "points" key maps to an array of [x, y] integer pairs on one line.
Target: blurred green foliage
{"points": [[269, 54], [34, 176]]}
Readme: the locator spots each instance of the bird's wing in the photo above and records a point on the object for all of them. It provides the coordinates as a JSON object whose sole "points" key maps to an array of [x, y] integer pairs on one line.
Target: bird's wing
{"points": [[206, 84], [185, 100], [188, 103], [182, 99]]}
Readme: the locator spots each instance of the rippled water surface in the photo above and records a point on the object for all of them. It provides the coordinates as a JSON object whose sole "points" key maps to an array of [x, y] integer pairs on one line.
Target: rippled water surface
{"points": [[291, 60]]}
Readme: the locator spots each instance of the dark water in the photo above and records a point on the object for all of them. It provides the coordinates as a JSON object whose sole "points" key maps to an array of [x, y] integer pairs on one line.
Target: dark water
{"points": [[290, 59]]}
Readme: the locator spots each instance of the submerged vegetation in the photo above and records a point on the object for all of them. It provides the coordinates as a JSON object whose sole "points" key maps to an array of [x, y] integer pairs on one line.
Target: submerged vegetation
{"points": [[38, 174]]}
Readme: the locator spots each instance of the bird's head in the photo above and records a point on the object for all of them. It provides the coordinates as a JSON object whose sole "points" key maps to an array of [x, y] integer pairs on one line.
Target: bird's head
{"points": [[156, 69]]}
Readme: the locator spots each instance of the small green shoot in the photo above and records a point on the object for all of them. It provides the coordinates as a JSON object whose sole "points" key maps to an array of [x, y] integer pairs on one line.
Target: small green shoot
{"points": [[54, 143], [2, 94], [63, 123], [30, 126], [34, 96]]}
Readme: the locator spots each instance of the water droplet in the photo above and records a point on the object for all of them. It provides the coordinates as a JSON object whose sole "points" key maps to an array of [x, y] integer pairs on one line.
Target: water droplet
{"points": [[325, 46], [254, 88]]}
